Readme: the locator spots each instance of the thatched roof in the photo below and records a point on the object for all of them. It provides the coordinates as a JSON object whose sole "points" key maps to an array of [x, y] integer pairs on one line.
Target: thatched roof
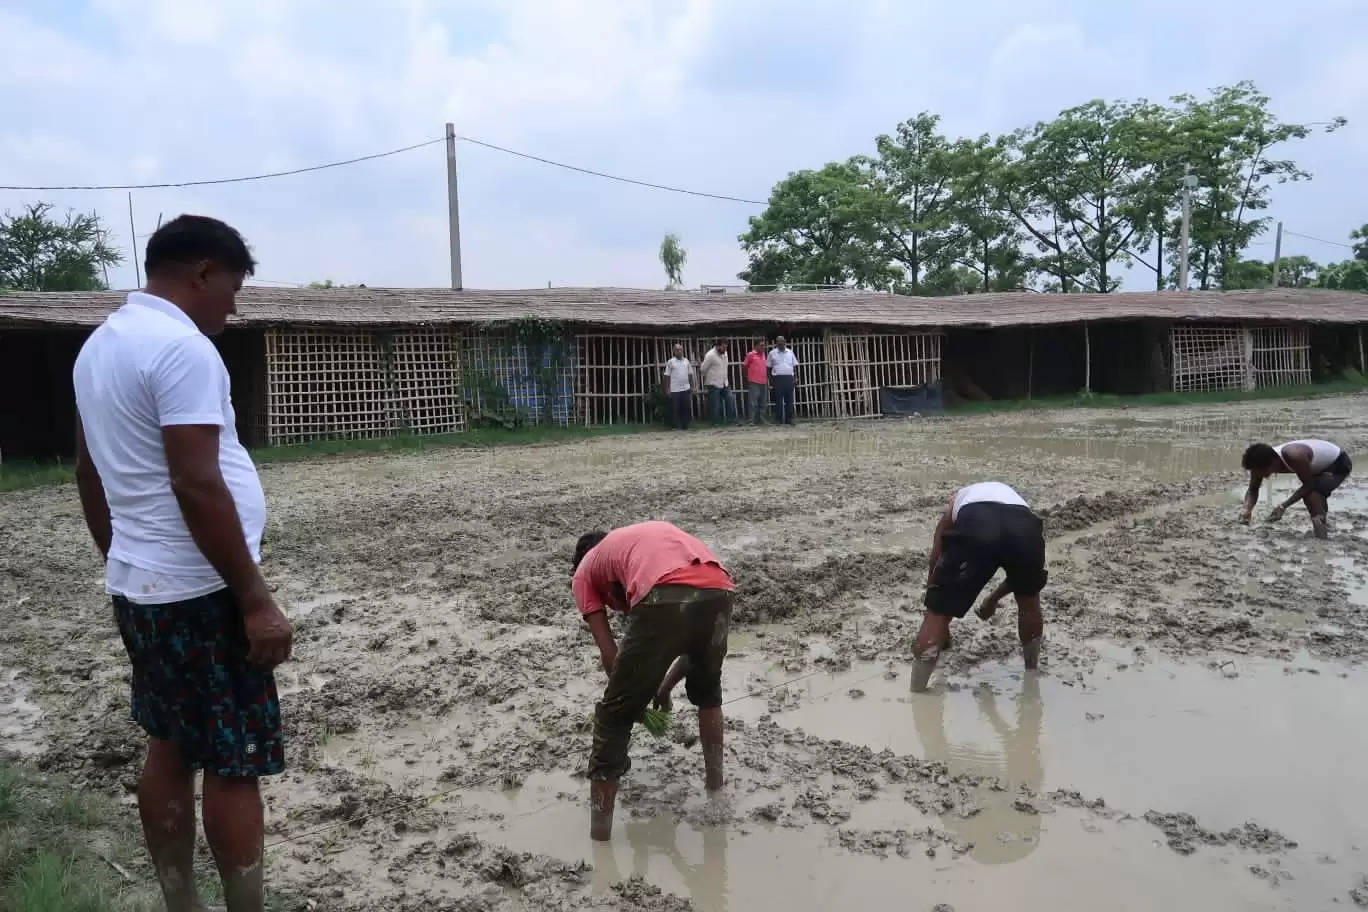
{"points": [[643, 309]]}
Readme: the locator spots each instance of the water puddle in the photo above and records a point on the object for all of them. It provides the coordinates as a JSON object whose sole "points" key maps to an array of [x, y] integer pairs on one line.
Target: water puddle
{"points": [[1074, 861], [1158, 735]]}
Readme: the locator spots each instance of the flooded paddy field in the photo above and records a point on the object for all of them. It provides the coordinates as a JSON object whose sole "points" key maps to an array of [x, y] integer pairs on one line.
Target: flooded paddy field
{"points": [[1195, 739]]}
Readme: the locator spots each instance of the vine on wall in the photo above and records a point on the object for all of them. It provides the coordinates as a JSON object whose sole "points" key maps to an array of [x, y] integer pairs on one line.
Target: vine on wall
{"points": [[524, 352]]}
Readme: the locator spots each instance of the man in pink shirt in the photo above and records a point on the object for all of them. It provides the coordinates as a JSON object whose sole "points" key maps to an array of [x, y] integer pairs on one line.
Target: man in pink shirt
{"points": [[757, 382], [679, 598]]}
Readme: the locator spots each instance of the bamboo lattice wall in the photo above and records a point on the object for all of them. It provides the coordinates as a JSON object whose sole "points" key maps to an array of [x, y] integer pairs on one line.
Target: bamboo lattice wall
{"points": [[425, 392], [1282, 356], [1210, 358], [352, 384], [322, 384]]}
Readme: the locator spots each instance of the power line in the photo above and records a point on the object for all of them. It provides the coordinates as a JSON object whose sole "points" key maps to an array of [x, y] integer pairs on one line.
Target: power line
{"points": [[625, 180], [229, 180], [1319, 240]]}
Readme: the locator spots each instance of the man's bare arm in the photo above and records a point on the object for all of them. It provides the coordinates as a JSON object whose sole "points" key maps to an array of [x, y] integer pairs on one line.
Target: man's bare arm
{"points": [[92, 494], [192, 458], [1251, 497], [603, 637]]}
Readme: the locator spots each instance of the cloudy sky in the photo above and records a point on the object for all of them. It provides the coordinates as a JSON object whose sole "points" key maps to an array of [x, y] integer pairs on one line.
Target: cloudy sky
{"points": [[726, 97]]}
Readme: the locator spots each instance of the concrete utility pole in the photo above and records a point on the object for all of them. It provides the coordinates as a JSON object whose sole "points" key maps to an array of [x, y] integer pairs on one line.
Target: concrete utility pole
{"points": [[1277, 255], [133, 240], [453, 208], [1189, 182]]}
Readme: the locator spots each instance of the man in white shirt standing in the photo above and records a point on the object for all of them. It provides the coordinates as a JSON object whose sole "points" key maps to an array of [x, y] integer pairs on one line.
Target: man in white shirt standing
{"points": [[985, 526], [679, 387], [175, 506], [783, 365], [721, 405]]}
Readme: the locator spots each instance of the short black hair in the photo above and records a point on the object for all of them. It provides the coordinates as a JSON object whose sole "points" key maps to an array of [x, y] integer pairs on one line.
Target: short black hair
{"points": [[188, 239], [1258, 456], [586, 544]]}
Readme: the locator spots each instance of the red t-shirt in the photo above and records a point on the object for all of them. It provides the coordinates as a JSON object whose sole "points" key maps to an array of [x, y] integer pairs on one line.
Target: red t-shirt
{"points": [[641, 557], [755, 367]]}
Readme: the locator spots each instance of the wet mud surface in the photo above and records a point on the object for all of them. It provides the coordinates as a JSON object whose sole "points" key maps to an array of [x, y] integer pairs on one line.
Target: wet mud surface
{"points": [[1195, 737]]}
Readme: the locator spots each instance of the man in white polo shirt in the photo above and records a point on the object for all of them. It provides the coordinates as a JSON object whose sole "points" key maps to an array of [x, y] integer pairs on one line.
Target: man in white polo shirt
{"points": [[985, 526], [175, 506], [783, 365], [679, 387]]}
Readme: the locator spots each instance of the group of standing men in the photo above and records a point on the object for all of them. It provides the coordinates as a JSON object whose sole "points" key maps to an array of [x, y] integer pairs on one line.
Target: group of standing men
{"points": [[777, 369]]}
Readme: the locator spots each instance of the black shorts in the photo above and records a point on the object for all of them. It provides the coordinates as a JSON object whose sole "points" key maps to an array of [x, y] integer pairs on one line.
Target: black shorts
{"points": [[192, 684], [984, 537], [1333, 477]]}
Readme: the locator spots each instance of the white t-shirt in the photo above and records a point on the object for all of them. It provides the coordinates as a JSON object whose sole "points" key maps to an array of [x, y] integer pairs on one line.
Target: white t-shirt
{"points": [[782, 362], [985, 492], [145, 368], [1323, 452], [680, 372]]}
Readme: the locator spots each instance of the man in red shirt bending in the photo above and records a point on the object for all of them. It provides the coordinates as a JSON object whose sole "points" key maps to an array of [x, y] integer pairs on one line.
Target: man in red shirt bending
{"points": [[679, 598]]}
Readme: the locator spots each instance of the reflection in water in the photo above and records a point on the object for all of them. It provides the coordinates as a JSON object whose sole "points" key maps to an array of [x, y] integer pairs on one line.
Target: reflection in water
{"points": [[1000, 834], [706, 882]]}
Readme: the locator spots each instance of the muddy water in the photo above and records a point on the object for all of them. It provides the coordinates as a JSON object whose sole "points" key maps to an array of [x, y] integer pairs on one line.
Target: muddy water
{"points": [[1197, 713]]}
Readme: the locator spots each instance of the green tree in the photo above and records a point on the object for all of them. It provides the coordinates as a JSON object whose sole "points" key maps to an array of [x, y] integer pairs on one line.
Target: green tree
{"points": [[672, 257], [1297, 272], [1090, 172], [1350, 275], [820, 228], [1225, 139], [1249, 274], [1360, 236], [39, 253], [915, 173], [984, 239]]}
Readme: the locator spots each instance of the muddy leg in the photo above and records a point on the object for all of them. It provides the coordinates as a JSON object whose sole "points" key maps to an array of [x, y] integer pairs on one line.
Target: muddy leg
{"points": [[933, 636], [1319, 509], [710, 733], [166, 803], [233, 826], [1030, 627], [602, 798]]}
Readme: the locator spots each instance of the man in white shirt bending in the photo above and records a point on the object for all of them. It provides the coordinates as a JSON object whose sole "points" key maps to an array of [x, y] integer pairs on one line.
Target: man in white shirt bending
{"points": [[783, 365], [1320, 466], [679, 389], [174, 504], [985, 526]]}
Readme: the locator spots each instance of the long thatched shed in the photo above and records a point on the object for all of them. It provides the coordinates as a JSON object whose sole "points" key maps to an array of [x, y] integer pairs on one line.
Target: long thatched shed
{"points": [[358, 362]]}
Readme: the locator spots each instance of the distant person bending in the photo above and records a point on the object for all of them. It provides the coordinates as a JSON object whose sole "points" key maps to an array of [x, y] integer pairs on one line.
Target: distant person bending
{"points": [[783, 365], [757, 383], [1320, 465], [176, 509], [679, 598], [679, 389], [721, 404], [986, 526]]}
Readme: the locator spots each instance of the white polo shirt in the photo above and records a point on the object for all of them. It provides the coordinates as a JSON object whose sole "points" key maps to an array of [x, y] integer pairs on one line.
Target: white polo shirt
{"points": [[680, 372], [145, 368], [782, 362]]}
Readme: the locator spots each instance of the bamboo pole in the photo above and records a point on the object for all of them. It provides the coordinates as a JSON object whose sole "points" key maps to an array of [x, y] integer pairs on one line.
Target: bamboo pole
{"points": [[1087, 354], [1362, 367]]}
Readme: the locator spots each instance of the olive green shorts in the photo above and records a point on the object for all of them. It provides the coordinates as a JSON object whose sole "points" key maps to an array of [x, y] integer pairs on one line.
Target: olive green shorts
{"points": [[671, 621]]}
